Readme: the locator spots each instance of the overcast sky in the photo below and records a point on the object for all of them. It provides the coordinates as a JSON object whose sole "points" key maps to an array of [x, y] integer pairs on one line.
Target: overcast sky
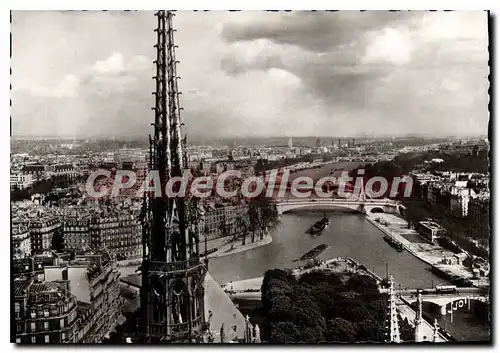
{"points": [[347, 73]]}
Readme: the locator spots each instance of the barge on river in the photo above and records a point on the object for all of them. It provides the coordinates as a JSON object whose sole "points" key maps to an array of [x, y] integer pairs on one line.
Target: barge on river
{"points": [[394, 243], [319, 226], [311, 254]]}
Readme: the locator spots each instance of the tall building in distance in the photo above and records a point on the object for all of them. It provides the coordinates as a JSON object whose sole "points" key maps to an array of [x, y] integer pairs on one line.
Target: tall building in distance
{"points": [[318, 142], [290, 143], [172, 294]]}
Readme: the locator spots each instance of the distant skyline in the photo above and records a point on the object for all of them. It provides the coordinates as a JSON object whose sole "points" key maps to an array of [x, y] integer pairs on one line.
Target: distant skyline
{"points": [[254, 74]]}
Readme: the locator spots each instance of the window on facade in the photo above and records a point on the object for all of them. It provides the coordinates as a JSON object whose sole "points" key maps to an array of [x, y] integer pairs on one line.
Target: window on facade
{"points": [[33, 314], [18, 339], [47, 340], [46, 325], [33, 339], [17, 307], [61, 323], [33, 326], [46, 313], [63, 336]]}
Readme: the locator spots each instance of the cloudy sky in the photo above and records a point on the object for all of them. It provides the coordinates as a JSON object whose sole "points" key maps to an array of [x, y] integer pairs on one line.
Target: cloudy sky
{"points": [[347, 73]]}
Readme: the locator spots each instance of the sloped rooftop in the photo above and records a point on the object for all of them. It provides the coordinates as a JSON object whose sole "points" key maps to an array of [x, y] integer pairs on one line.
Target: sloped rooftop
{"points": [[223, 311], [219, 309]]}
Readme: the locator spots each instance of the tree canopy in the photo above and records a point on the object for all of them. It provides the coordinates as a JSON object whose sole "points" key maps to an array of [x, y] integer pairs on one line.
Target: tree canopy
{"points": [[323, 307]]}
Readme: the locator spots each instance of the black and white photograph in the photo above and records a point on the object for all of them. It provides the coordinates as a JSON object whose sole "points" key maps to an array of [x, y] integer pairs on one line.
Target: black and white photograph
{"points": [[251, 177]]}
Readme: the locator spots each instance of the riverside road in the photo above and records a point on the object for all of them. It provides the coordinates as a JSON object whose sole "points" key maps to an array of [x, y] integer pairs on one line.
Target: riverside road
{"points": [[348, 234]]}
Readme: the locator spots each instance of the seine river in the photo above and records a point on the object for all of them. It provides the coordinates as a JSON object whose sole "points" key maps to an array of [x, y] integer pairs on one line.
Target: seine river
{"points": [[348, 234]]}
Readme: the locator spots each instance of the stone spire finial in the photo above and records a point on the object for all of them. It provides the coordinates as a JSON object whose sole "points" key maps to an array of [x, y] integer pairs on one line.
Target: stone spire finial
{"points": [[418, 320], [222, 334], [436, 331], [257, 334], [419, 303], [248, 330], [393, 333]]}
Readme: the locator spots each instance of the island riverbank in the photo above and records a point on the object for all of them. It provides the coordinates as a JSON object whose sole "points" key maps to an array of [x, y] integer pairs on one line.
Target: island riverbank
{"points": [[229, 246]]}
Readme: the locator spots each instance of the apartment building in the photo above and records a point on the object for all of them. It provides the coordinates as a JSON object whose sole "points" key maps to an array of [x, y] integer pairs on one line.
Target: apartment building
{"points": [[76, 233], [121, 234], [93, 279], [44, 312], [21, 241], [479, 217], [68, 170], [42, 230], [220, 220], [459, 201]]}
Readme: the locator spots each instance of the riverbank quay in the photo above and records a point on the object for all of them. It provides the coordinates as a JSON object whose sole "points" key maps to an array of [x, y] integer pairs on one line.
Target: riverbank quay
{"points": [[335, 265], [229, 246], [432, 254]]}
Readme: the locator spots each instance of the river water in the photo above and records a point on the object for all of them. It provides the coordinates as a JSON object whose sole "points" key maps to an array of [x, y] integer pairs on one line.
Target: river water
{"points": [[348, 234]]}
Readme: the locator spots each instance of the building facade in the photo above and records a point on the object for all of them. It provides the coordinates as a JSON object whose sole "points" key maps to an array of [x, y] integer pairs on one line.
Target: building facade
{"points": [[76, 233], [21, 241], [68, 170], [479, 217], [430, 231], [21, 181], [94, 280], [218, 221], [44, 312], [42, 231], [120, 234], [459, 204]]}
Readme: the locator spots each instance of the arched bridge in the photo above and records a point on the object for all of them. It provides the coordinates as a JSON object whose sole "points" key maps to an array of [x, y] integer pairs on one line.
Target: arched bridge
{"points": [[363, 206], [458, 299]]}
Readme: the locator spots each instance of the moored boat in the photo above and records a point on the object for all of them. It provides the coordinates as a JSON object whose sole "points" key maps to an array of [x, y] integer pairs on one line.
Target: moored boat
{"points": [[394, 243]]}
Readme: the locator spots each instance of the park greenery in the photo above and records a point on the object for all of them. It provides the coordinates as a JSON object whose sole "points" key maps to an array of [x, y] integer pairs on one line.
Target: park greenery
{"points": [[325, 307]]}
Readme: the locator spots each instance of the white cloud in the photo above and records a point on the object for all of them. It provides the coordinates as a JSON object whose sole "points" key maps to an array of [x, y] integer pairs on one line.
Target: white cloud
{"points": [[68, 87], [390, 45], [284, 78], [113, 64], [385, 77], [139, 63]]}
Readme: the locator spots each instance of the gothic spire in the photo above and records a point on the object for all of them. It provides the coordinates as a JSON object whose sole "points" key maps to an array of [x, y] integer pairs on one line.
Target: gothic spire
{"points": [[419, 320], [172, 307], [393, 328]]}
